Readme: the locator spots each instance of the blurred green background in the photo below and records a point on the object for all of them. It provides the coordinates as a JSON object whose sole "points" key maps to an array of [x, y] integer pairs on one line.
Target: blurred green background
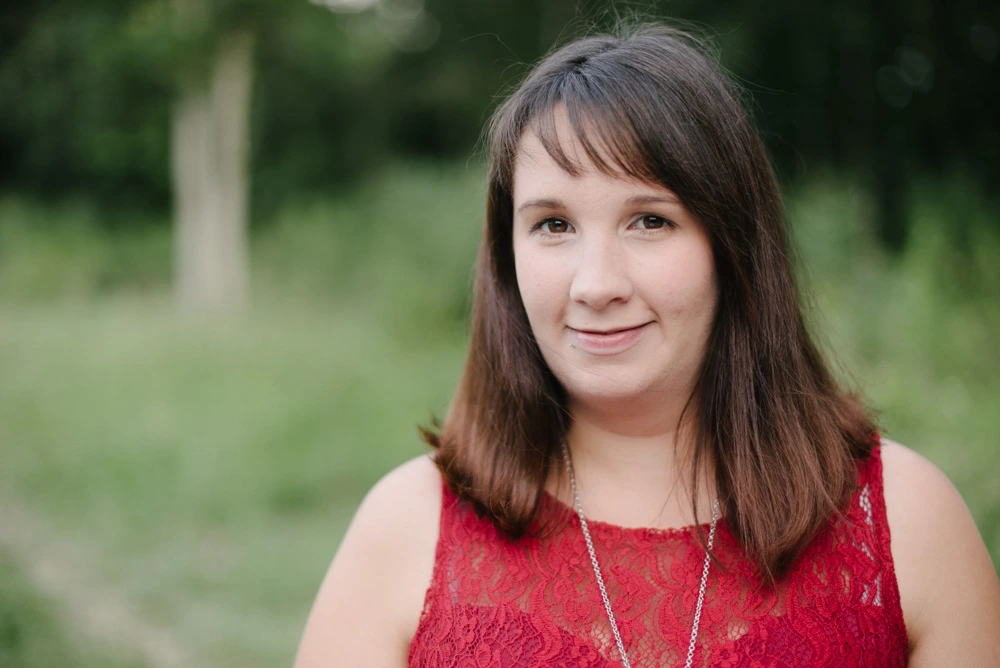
{"points": [[235, 249]]}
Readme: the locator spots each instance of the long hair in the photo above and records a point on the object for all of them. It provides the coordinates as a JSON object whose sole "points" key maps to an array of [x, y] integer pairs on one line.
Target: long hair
{"points": [[783, 436]]}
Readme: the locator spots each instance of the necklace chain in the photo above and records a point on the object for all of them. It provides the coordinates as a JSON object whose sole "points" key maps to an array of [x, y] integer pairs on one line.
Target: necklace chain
{"points": [[600, 579]]}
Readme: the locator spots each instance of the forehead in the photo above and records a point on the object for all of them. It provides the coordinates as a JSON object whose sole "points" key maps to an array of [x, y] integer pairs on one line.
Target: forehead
{"points": [[533, 162]]}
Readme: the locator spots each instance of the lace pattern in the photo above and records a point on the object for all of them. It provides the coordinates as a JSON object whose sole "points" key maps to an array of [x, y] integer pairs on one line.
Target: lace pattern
{"points": [[534, 602]]}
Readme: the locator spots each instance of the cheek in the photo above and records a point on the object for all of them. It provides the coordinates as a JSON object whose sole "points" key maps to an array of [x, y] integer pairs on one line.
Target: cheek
{"points": [[703, 293], [683, 285], [542, 286]]}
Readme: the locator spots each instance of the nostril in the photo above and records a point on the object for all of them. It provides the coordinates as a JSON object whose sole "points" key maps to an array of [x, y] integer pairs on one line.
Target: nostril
{"points": [[598, 288]]}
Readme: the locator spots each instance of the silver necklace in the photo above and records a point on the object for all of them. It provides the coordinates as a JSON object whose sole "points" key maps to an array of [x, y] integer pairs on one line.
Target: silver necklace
{"points": [[600, 580]]}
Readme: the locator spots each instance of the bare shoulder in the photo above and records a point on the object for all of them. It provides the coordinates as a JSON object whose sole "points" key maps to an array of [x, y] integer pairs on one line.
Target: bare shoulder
{"points": [[947, 583], [910, 478], [402, 510], [371, 598], [922, 504], [411, 491]]}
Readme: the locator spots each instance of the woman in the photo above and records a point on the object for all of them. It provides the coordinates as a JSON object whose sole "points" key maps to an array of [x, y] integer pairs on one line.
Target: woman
{"points": [[647, 461]]}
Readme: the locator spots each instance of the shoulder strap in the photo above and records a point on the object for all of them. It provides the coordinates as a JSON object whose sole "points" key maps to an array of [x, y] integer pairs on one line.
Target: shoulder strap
{"points": [[871, 498]]}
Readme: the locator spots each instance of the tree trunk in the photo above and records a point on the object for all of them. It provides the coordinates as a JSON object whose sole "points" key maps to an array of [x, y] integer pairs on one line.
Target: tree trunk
{"points": [[210, 174]]}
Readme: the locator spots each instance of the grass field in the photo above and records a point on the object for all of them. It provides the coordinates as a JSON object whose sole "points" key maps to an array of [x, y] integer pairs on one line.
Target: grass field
{"points": [[207, 470], [193, 475]]}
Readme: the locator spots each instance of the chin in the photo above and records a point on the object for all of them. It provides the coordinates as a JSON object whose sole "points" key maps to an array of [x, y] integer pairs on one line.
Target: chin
{"points": [[595, 388]]}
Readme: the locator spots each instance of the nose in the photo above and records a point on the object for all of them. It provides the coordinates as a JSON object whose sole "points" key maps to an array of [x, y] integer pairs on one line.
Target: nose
{"points": [[601, 275]]}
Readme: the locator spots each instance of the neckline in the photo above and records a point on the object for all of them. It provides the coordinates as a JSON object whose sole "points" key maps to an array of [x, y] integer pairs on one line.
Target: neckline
{"points": [[564, 511]]}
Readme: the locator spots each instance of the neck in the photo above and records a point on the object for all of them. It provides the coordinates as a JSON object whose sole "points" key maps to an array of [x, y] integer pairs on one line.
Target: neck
{"points": [[633, 469], [630, 452]]}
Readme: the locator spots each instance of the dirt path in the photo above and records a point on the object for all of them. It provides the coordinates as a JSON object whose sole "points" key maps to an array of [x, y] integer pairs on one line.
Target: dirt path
{"points": [[58, 567]]}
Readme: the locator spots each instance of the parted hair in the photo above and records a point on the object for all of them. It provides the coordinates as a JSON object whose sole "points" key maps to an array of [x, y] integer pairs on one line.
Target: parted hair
{"points": [[649, 103]]}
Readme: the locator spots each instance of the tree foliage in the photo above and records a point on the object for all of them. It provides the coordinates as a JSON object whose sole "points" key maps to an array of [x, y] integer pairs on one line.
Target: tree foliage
{"points": [[893, 92]]}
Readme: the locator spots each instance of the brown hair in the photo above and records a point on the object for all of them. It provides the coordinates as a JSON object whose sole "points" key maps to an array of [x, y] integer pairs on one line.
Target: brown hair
{"points": [[782, 434]]}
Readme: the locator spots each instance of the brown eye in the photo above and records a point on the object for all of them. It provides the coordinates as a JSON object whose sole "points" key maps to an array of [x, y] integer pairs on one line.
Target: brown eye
{"points": [[554, 226], [652, 223]]}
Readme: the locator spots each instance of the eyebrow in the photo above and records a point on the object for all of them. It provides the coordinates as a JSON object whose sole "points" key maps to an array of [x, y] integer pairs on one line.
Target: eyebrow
{"points": [[541, 204], [547, 203]]}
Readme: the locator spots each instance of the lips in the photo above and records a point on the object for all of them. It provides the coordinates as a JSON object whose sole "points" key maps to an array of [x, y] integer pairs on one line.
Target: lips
{"points": [[609, 341], [607, 331]]}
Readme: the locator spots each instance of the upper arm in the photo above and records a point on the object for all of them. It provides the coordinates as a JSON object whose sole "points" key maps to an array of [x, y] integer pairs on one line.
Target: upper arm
{"points": [[371, 598], [948, 586]]}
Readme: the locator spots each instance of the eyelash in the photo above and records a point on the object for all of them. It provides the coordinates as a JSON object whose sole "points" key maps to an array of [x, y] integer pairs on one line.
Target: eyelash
{"points": [[667, 224]]}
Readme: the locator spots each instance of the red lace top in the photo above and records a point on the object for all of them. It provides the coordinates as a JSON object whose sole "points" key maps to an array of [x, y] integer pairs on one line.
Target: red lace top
{"points": [[534, 602]]}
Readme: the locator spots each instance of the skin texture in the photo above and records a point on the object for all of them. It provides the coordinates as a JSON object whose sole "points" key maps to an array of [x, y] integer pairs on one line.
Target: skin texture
{"points": [[948, 586], [369, 603], [598, 253], [602, 261]]}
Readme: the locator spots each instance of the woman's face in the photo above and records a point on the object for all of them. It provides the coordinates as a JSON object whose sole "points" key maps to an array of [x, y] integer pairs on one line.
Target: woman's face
{"points": [[616, 277]]}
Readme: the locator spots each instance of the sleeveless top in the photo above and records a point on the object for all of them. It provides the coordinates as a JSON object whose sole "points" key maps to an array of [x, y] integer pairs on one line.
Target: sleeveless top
{"points": [[534, 601]]}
